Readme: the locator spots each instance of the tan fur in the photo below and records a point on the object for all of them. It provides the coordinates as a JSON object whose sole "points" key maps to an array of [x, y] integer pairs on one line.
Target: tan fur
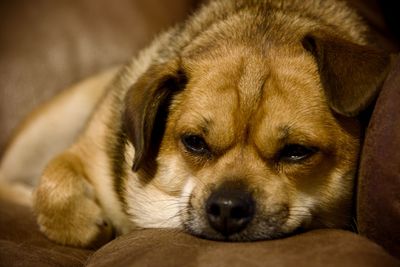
{"points": [[250, 78], [268, 107]]}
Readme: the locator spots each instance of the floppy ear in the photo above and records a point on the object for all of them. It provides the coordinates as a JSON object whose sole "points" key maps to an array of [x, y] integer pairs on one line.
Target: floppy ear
{"points": [[146, 110], [351, 74]]}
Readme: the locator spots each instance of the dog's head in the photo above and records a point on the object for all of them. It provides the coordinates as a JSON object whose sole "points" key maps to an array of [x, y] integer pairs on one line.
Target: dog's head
{"points": [[252, 142]]}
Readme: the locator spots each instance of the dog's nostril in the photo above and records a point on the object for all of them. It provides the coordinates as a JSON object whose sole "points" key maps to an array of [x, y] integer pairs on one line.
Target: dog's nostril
{"points": [[214, 210], [229, 210], [239, 212]]}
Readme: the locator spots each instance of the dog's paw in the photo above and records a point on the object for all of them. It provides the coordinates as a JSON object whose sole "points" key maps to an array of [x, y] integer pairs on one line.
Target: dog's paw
{"points": [[78, 224], [66, 207]]}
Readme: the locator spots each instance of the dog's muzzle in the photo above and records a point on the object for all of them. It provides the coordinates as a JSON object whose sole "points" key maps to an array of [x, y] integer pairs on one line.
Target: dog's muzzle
{"points": [[230, 209]]}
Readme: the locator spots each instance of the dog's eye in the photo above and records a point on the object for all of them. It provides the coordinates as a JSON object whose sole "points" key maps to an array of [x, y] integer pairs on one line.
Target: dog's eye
{"points": [[296, 153], [195, 144]]}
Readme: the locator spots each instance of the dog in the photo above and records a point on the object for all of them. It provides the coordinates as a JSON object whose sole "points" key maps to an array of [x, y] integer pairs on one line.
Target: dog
{"points": [[240, 124]]}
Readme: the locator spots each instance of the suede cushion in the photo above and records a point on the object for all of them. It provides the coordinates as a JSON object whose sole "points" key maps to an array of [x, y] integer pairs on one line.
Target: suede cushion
{"points": [[171, 248], [21, 243], [379, 183]]}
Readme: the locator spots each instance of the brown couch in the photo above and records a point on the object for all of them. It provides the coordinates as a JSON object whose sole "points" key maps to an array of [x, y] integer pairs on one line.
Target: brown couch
{"points": [[47, 45]]}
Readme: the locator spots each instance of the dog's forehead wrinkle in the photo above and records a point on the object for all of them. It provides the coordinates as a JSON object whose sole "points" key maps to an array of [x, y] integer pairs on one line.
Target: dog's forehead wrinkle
{"points": [[284, 132], [239, 85], [251, 82]]}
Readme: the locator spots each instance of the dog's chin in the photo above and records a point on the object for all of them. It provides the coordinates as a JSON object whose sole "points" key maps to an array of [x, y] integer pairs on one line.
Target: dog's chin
{"points": [[248, 235], [259, 229]]}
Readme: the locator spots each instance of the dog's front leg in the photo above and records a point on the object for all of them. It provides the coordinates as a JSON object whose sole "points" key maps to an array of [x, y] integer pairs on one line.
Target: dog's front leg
{"points": [[66, 205]]}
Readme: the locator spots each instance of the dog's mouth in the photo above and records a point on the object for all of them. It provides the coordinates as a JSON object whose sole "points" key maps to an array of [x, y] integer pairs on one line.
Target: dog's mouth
{"points": [[231, 214], [238, 230]]}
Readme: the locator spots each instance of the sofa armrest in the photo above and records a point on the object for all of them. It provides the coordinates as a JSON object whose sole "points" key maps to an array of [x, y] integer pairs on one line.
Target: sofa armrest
{"points": [[378, 203]]}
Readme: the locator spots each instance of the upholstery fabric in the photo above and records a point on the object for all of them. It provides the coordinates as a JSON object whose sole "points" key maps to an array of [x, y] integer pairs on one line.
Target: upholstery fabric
{"points": [[21, 243], [379, 182], [170, 248]]}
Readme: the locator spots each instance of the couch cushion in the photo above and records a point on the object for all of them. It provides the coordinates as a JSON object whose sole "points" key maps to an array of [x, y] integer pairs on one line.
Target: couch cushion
{"points": [[379, 178], [164, 248], [22, 244]]}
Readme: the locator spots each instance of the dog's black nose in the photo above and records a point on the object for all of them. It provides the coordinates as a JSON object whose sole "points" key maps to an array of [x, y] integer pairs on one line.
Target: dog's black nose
{"points": [[229, 210]]}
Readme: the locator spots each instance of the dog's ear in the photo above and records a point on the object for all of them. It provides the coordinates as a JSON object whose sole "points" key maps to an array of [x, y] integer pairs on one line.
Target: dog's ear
{"points": [[146, 110], [351, 74]]}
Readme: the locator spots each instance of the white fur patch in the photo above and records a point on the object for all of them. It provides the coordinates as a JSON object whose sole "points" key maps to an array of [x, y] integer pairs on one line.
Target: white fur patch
{"points": [[300, 211], [188, 188], [151, 207]]}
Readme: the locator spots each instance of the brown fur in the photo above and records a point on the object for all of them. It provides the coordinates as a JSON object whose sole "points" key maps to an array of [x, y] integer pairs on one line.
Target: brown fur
{"points": [[251, 78]]}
